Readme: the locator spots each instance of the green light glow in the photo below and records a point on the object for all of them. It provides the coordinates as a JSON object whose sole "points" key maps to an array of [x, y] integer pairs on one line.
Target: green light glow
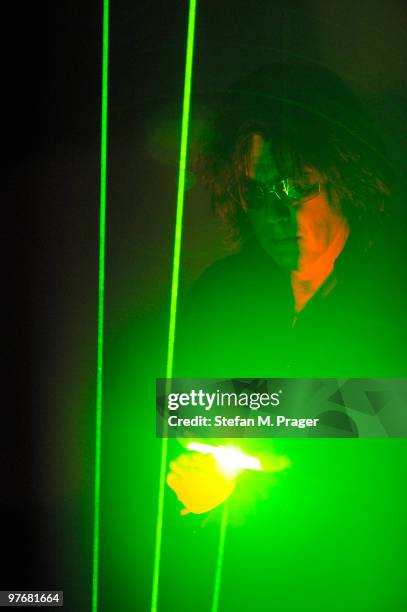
{"points": [[174, 285], [219, 561], [102, 235]]}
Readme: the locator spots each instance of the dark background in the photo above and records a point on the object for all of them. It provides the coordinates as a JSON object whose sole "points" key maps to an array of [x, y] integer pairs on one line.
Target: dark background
{"points": [[51, 260]]}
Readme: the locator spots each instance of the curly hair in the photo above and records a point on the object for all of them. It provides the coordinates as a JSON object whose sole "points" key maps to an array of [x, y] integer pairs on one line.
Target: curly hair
{"points": [[310, 119]]}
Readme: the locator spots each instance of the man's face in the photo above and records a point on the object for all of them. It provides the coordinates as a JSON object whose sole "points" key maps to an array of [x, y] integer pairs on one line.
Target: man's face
{"points": [[294, 235]]}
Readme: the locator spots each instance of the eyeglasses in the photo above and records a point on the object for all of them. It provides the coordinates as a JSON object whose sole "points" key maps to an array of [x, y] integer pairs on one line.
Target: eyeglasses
{"points": [[288, 190]]}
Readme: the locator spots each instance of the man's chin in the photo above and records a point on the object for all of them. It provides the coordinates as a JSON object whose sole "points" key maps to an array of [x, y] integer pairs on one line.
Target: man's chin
{"points": [[287, 262], [285, 255]]}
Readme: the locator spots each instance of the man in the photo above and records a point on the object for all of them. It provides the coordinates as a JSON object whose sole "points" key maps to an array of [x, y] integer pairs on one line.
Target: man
{"points": [[302, 184]]}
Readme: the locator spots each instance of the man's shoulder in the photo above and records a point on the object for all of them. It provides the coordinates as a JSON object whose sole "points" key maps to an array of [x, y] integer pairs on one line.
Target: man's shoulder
{"points": [[227, 268], [246, 268], [216, 286]]}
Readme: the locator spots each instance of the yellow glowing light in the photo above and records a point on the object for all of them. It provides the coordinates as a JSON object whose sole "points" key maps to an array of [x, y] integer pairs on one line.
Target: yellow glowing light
{"points": [[231, 460]]}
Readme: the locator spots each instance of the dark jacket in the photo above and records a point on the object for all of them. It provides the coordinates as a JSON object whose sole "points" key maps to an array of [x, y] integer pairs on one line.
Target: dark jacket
{"points": [[238, 321]]}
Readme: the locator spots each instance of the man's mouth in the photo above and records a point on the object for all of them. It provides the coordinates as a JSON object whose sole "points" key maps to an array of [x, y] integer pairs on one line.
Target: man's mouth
{"points": [[284, 239]]}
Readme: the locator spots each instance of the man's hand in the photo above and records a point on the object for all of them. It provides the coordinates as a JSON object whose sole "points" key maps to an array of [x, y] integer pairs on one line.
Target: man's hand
{"points": [[199, 483]]}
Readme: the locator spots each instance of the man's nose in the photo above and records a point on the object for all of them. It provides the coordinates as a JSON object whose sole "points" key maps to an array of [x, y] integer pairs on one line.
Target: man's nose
{"points": [[276, 211]]}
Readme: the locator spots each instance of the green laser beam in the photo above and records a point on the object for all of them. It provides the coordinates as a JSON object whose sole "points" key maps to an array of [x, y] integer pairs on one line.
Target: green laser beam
{"points": [[181, 185], [102, 237], [174, 286], [219, 561]]}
